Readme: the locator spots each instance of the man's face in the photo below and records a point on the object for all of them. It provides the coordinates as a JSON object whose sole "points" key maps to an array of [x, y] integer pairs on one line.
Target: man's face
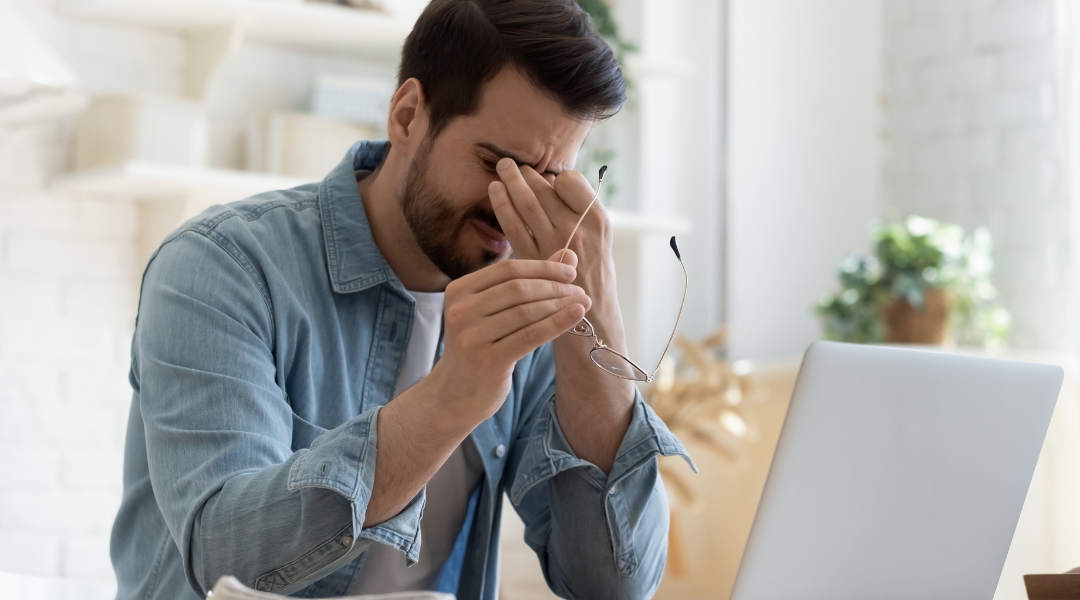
{"points": [[444, 195]]}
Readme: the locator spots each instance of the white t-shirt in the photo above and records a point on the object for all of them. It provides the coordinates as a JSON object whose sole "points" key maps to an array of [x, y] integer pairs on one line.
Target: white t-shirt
{"points": [[383, 569]]}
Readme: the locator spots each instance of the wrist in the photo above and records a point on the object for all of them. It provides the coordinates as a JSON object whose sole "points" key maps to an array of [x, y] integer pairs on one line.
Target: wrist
{"points": [[435, 402], [463, 395], [577, 375], [606, 318]]}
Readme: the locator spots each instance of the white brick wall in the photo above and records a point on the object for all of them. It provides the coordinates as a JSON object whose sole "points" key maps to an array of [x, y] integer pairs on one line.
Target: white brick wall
{"points": [[69, 277], [973, 136], [67, 290]]}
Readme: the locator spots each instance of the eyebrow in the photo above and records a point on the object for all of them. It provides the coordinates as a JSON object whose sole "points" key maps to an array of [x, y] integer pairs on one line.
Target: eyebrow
{"points": [[503, 153]]}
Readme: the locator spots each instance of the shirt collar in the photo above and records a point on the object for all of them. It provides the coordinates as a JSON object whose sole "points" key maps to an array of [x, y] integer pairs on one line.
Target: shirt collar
{"points": [[354, 261]]}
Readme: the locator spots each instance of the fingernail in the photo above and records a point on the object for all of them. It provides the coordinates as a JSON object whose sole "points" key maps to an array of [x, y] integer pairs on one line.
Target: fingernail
{"points": [[493, 187], [578, 291], [503, 164]]}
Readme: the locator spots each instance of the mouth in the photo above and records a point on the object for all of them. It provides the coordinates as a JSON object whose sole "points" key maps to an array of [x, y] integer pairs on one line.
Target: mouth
{"points": [[490, 238]]}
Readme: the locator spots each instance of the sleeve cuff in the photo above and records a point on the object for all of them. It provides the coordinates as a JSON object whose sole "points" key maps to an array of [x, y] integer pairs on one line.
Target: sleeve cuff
{"points": [[343, 461], [548, 453]]}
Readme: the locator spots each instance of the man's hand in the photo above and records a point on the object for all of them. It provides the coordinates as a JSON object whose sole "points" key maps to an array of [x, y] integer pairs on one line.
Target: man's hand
{"points": [[494, 318], [537, 216]]}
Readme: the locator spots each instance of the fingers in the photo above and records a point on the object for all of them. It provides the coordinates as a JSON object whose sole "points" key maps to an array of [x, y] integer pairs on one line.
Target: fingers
{"points": [[527, 339], [523, 316], [513, 226], [554, 207], [524, 200], [575, 191], [507, 270], [517, 292]]}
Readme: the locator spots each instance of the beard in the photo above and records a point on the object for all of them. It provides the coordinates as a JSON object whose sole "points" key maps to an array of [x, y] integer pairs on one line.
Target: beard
{"points": [[437, 226]]}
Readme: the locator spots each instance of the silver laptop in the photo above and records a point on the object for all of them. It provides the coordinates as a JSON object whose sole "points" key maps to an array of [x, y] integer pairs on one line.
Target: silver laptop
{"points": [[899, 474]]}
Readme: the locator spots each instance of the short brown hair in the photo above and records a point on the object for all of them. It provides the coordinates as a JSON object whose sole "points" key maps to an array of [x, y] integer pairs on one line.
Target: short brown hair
{"points": [[457, 46]]}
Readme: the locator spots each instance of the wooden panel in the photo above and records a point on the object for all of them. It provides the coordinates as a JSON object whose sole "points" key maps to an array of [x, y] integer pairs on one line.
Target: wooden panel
{"points": [[1053, 587]]}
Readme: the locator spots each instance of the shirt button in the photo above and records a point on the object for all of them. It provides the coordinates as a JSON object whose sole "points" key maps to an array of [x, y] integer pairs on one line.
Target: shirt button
{"points": [[500, 451], [611, 492], [346, 541]]}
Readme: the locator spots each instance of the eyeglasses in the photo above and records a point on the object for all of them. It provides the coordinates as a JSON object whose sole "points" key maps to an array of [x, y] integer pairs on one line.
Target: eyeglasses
{"points": [[606, 358]]}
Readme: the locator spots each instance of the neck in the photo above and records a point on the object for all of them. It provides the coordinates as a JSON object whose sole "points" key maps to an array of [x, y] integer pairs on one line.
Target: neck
{"points": [[394, 238]]}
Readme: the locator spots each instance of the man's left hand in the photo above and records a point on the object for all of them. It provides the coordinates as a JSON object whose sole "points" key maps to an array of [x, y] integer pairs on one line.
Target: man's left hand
{"points": [[537, 216]]}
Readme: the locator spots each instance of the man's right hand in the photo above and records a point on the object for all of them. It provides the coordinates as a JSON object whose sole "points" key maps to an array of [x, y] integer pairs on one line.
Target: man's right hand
{"points": [[495, 317]]}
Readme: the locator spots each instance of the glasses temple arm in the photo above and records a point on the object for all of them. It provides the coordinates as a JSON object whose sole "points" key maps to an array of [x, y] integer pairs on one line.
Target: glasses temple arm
{"points": [[582, 217], [686, 283]]}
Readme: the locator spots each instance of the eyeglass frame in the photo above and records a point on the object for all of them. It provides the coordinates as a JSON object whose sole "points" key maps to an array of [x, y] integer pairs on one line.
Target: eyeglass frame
{"points": [[590, 331]]}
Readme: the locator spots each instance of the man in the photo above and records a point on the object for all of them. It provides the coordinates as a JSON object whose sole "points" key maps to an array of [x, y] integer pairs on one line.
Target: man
{"points": [[316, 369]]}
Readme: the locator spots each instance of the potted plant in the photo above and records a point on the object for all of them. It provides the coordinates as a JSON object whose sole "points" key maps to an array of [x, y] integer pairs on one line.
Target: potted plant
{"points": [[926, 283]]}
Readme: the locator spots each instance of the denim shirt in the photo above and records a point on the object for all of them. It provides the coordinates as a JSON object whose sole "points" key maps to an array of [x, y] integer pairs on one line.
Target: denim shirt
{"points": [[270, 333]]}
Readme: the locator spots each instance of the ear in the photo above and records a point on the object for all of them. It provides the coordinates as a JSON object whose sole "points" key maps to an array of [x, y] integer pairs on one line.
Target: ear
{"points": [[408, 121]]}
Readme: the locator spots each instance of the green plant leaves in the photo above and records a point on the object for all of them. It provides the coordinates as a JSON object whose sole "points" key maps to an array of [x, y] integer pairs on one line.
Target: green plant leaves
{"points": [[605, 25], [909, 257]]}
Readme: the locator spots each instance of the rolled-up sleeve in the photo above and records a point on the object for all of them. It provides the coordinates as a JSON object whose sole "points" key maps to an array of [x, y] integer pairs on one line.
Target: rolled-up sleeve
{"points": [[237, 497], [597, 535]]}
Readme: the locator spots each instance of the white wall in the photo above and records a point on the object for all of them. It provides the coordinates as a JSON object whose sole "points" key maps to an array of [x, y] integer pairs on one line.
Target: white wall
{"points": [[804, 161], [675, 110], [1069, 28], [67, 291], [975, 138]]}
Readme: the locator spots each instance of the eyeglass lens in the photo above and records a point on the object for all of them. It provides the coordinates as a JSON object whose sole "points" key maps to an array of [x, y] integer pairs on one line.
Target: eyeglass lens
{"points": [[617, 365], [607, 359]]}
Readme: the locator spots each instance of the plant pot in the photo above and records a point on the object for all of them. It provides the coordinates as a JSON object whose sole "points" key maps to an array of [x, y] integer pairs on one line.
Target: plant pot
{"points": [[905, 324]]}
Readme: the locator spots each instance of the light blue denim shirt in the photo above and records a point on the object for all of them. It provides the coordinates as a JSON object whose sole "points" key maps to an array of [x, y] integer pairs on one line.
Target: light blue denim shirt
{"points": [[269, 334]]}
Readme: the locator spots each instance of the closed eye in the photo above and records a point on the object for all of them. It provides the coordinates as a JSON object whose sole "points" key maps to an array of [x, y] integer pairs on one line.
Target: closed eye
{"points": [[489, 164]]}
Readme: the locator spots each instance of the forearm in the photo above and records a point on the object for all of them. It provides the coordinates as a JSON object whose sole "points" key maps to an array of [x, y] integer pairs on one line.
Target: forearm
{"points": [[593, 406], [597, 536], [280, 526], [583, 562], [493, 318], [416, 434], [285, 525], [249, 528]]}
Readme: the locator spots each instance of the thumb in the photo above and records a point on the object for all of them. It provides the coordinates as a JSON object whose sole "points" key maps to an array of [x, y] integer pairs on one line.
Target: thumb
{"points": [[570, 258]]}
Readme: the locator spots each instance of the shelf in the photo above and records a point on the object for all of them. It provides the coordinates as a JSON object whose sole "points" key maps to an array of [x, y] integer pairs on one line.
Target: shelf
{"points": [[40, 107], [637, 223], [147, 181], [292, 22]]}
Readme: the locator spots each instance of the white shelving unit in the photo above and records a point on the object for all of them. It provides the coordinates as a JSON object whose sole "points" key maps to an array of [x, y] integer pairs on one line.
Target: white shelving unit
{"points": [[291, 22], [148, 181], [161, 183], [216, 29], [631, 223]]}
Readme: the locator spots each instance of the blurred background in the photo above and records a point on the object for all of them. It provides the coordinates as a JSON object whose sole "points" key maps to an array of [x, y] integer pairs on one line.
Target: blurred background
{"points": [[787, 143]]}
